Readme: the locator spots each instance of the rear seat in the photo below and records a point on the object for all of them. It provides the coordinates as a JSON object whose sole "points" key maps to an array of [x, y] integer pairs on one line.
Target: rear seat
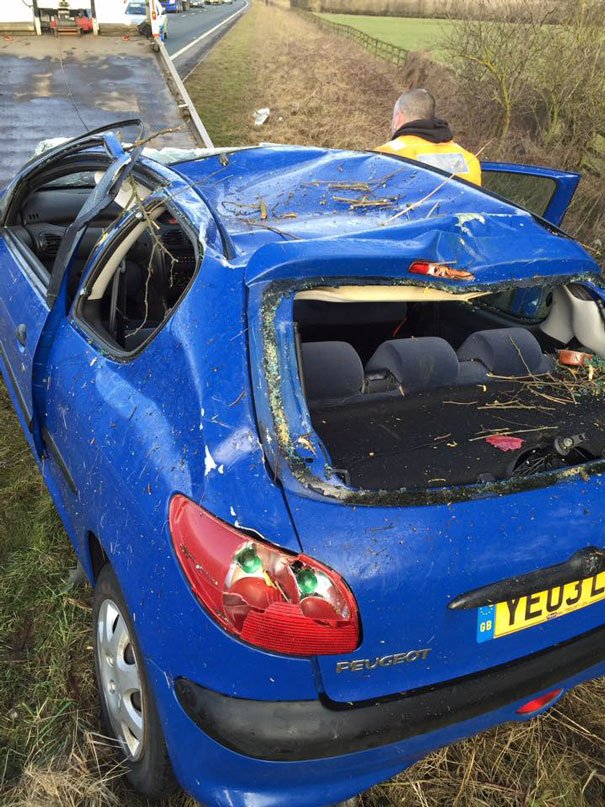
{"points": [[416, 364], [334, 375], [428, 362], [332, 372], [510, 352]]}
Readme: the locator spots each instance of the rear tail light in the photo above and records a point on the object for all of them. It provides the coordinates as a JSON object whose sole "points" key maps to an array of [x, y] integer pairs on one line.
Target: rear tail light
{"points": [[439, 270], [273, 599], [541, 702]]}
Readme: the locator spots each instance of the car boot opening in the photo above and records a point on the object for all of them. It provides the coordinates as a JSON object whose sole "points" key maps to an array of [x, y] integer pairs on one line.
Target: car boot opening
{"points": [[430, 394]]}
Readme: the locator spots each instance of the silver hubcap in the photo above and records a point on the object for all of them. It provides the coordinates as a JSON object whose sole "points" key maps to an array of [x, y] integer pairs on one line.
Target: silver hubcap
{"points": [[120, 679]]}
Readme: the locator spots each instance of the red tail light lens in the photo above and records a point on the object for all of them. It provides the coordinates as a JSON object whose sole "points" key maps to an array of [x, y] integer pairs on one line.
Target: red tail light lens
{"points": [[539, 703], [273, 599], [439, 270]]}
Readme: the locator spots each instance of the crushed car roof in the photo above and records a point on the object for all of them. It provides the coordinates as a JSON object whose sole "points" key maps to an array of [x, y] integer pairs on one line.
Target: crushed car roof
{"points": [[274, 194]]}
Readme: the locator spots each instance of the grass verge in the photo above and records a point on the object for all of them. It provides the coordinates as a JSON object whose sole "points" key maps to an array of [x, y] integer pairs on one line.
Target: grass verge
{"points": [[52, 749], [317, 90]]}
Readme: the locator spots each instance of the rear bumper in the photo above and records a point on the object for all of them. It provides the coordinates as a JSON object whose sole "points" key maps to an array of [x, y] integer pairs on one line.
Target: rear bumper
{"points": [[293, 731]]}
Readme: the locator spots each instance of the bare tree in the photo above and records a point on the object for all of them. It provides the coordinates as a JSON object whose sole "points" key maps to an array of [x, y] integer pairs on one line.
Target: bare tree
{"points": [[496, 57]]}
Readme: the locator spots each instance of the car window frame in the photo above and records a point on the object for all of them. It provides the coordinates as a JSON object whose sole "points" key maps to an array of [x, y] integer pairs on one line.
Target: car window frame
{"points": [[541, 178], [33, 183], [97, 262], [29, 263], [566, 183]]}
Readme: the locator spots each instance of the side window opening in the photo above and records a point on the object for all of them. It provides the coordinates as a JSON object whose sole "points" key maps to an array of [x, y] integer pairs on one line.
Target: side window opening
{"points": [[534, 193], [406, 393], [54, 202], [141, 281]]}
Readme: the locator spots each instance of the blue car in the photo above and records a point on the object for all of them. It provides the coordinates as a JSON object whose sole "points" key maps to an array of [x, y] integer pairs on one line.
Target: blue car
{"points": [[326, 431], [175, 6]]}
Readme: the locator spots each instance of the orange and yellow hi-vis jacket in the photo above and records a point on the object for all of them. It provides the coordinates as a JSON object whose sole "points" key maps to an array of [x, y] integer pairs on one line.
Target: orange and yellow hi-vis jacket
{"points": [[446, 154]]}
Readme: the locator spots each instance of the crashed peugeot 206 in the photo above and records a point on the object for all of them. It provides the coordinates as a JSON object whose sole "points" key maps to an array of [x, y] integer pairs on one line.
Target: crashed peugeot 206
{"points": [[326, 430]]}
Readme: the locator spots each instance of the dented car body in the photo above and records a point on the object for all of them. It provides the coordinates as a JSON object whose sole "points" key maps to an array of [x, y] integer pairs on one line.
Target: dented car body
{"points": [[276, 433]]}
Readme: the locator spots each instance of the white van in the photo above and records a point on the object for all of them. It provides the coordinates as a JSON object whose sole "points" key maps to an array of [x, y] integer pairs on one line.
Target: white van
{"points": [[136, 13]]}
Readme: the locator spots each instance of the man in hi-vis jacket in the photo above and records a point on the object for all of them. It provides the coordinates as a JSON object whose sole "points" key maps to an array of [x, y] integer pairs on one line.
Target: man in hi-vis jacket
{"points": [[419, 135]]}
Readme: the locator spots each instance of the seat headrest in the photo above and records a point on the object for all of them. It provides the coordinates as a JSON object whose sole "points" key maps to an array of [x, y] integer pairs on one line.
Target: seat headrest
{"points": [[506, 352], [331, 370], [423, 363]]}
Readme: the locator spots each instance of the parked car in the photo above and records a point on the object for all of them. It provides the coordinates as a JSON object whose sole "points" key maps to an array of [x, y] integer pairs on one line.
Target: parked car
{"points": [[136, 14], [172, 6], [303, 417]]}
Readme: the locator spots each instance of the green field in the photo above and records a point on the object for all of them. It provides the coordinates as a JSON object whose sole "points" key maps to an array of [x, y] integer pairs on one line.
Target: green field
{"points": [[409, 33]]}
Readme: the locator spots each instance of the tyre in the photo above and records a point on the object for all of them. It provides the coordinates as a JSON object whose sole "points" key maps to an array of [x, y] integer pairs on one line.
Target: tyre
{"points": [[128, 708]]}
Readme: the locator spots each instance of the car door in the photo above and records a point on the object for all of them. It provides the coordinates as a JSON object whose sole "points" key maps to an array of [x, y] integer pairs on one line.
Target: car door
{"points": [[23, 312], [546, 192], [107, 404], [28, 291]]}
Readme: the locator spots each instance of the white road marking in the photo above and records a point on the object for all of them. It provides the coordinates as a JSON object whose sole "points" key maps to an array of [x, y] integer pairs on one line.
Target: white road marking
{"points": [[211, 31]]}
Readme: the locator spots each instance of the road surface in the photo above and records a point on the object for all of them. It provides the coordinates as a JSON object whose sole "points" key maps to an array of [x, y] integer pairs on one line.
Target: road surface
{"points": [[62, 87], [192, 33]]}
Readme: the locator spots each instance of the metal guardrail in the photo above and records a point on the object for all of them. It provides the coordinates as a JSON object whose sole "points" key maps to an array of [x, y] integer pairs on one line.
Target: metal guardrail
{"points": [[384, 50], [183, 99]]}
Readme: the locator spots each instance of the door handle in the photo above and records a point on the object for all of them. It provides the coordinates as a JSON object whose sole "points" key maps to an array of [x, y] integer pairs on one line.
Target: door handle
{"points": [[21, 334]]}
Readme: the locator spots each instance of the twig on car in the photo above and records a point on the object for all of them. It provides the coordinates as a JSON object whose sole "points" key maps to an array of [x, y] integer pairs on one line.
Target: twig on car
{"points": [[157, 246], [365, 202], [142, 141], [515, 405], [504, 432], [462, 403]]}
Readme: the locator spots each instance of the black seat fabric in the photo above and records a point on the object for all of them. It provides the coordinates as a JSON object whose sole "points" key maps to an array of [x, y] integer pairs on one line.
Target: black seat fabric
{"points": [[417, 364], [506, 352], [332, 371], [471, 372]]}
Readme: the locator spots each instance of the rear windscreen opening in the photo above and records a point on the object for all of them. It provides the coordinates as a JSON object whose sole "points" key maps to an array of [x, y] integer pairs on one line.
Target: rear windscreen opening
{"points": [[431, 393]]}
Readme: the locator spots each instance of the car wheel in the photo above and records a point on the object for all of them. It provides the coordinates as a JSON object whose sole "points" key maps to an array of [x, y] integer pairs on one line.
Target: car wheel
{"points": [[128, 708]]}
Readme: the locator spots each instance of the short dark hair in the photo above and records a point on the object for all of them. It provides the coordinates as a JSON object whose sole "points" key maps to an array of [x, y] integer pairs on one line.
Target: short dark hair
{"points": [[416, 105]]}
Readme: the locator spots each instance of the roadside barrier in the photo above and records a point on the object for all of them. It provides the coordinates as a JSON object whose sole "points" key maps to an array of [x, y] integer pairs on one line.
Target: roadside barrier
{"points": [[384, 50]]}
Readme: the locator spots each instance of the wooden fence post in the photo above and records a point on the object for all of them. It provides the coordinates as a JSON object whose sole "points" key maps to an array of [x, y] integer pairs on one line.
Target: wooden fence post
{"points": [[383, 50]]}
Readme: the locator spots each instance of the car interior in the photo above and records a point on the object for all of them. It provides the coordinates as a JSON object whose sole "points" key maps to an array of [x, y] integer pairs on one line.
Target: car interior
{"points": [[405, 394], [151, 276], [142, 281]]}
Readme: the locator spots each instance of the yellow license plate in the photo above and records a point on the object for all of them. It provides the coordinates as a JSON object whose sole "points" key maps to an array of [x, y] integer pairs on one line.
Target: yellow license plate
{"points": [[494, 621]]}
